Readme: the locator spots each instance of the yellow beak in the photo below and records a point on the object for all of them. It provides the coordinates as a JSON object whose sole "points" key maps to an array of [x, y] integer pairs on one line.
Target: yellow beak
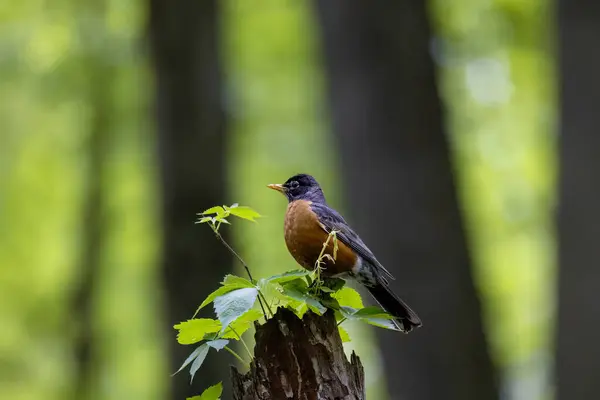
{"points": [[276, 186]]}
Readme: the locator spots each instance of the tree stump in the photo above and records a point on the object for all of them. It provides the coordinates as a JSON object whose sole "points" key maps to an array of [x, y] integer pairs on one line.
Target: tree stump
{"points": [[300, 360]]}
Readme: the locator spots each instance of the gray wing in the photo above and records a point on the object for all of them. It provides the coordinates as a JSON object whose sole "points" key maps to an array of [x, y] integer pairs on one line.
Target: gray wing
{"points": [[332, 220]]}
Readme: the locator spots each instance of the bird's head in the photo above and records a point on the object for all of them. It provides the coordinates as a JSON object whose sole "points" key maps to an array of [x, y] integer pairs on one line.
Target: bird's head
{"points": [[301, 187]]}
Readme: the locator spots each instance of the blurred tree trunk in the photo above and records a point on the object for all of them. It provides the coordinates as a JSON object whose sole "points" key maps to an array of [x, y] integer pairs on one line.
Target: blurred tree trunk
{"points": [[578, 358], [184, 37], [400, 189], [93, 238], [97, 147]]}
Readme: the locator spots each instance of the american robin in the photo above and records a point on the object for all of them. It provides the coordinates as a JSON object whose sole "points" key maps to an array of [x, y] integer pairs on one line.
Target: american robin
{"points": [[308, 222]]}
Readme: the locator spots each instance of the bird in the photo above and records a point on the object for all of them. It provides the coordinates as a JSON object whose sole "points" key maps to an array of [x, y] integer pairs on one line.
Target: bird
{"points": [[307, 225]]}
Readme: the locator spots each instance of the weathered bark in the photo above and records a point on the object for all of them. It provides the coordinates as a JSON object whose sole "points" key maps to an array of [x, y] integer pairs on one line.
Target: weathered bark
{"points": [[387, 118], [578, 354], [300, 360], [184, 36]]}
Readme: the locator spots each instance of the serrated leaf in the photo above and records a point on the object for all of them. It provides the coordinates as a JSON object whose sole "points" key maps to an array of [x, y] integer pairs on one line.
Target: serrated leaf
{"points": [[217, 344], [330, 303], [244, 212], [298, 307], [234, 304], [237, 281], [203, 351], [344, 334], [219, 292], [194, 330], [212, 393], [273, 294], [347, 296], [371, 315], [373, 312], [214, 210], [297, 284], [313, 304], [242, 324], [348, 312], [203, 220], [309, 279], [301, 310], [288, 276], [191, 358], [381, 323]]}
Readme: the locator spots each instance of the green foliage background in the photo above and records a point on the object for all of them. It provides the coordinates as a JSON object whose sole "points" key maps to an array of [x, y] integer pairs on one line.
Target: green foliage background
{"points": [[498, 80]]}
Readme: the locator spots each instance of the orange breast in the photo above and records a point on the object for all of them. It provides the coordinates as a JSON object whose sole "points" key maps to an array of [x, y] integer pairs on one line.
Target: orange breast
{"points": [[305, 237]]}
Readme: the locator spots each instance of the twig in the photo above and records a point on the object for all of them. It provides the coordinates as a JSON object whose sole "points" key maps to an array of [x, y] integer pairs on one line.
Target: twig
{"points": [[243, 263], [243, 342], [236, 355]]}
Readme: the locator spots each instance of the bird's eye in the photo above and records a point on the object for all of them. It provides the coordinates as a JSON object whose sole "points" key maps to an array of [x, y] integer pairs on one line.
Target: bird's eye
{"points": [[294, 184]]}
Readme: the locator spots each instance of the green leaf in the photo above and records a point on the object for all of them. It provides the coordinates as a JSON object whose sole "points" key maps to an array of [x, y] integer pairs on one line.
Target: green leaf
{"points": [[214, 210], [381, 323], [344, 334], [198, 352], [212, 393], [300, 308], [237, 281], [234, 304], [194, 330], [288, 276], [242, 324], [199, 359], [297, 284], [298, 290], [217, 344], [222, 220], [203, 220], [219, 292], [371, 315], [272, 291], [348, 312], [373, 312], [244, 212], [313, 304], [330, 302], [347, 296]]}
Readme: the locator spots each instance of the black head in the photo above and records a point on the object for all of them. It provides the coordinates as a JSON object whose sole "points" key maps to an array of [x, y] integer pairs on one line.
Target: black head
{"points": [[301, 187]]}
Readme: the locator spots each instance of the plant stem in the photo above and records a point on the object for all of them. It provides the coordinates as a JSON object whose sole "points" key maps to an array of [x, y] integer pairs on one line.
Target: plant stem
{"points": [[234, 253], [318, 283], [243, 343], [340, 321], [216, 230], [261, 296], [236, 355]]}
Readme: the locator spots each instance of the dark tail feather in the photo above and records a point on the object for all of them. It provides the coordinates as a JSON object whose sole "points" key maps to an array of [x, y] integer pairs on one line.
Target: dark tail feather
{"points": [[406, 318]]}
